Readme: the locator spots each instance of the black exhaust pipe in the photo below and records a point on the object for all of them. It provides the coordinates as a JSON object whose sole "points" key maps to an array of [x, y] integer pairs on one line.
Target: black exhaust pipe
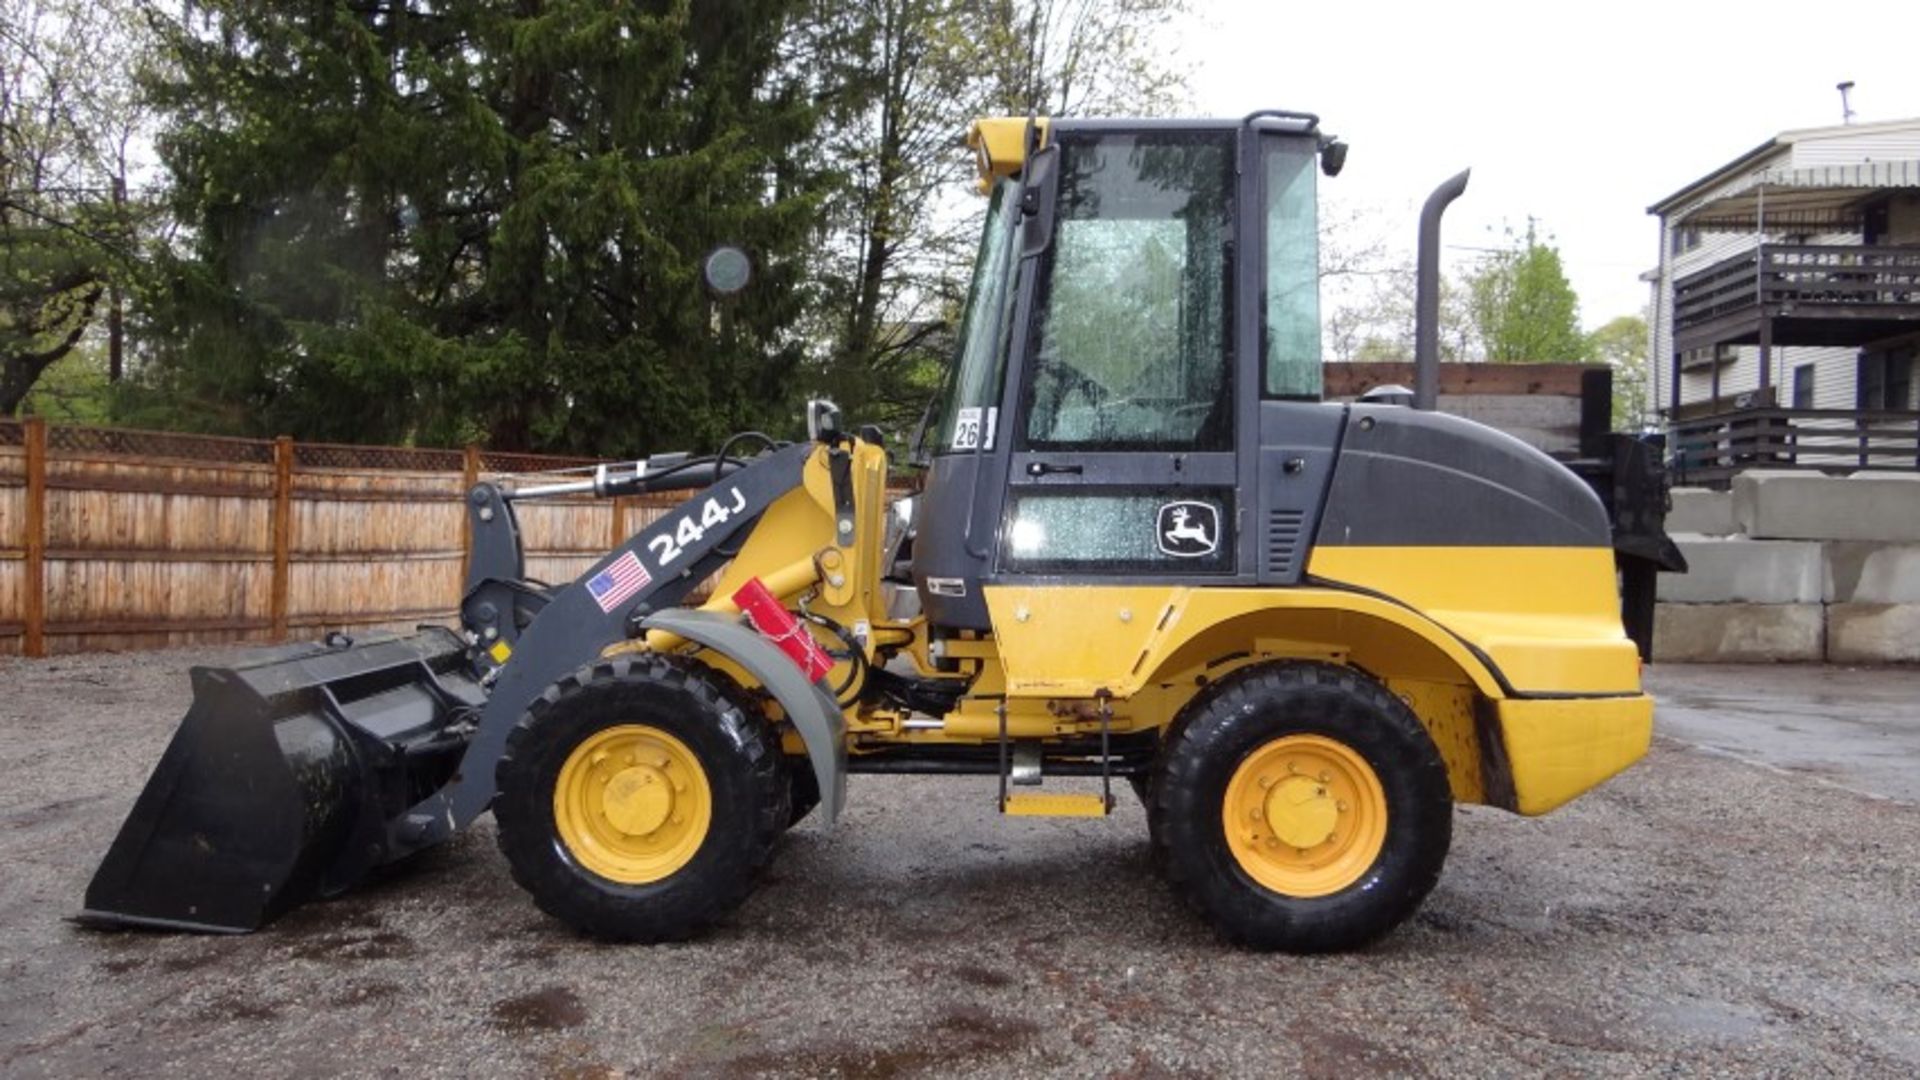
{"points": [[1426, 294]]}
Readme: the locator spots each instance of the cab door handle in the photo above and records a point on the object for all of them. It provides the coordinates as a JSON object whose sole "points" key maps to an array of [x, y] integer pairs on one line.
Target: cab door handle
{"points": [[1042, 468]]}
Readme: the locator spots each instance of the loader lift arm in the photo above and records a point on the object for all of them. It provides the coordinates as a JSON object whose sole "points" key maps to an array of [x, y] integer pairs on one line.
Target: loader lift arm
{"points": [[572, 627]]}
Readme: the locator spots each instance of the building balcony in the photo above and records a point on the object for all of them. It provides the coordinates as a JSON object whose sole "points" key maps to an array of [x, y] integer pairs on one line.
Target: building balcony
{"points": [[1711, 449], [1800, 294]]}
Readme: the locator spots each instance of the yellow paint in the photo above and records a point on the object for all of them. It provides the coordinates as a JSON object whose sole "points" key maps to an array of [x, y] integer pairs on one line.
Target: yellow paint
{"points": [[1446, 710], [1305, 815], [632, 804], [1558, 749], [1072, 643], [500, 651], [999, 145], [1548, 616], [1054, 804]]}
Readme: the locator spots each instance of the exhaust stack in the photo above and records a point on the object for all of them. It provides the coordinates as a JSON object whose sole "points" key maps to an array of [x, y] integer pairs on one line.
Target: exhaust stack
{"points": [[1426, 304]]}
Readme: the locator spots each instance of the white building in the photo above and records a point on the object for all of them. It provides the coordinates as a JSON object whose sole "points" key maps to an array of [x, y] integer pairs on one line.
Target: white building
{"points": [[1789, 278]]}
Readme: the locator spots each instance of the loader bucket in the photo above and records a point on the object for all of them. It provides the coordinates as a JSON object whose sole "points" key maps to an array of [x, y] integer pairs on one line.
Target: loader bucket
{"points": [[285, 781]]}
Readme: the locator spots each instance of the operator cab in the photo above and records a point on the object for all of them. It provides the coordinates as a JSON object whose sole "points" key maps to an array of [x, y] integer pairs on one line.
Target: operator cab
{"points": [[1099, 424]]}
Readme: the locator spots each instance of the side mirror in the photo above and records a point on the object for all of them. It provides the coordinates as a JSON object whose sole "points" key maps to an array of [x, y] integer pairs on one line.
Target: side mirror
{"points": [[1333, 157], [823, 420], [726, 270]]}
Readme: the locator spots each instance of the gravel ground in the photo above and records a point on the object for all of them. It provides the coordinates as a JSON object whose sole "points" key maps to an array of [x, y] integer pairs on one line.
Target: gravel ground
{"points": [[1699, 914]]}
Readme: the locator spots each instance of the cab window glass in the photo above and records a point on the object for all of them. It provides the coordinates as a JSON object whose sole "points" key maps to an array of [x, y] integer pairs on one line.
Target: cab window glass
{"points": [[1130, 350], [1290, 338], [971, 410]]}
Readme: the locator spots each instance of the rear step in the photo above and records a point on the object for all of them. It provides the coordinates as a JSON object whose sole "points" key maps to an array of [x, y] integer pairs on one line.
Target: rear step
{"points": [[1025, 769], [1058, 804]]}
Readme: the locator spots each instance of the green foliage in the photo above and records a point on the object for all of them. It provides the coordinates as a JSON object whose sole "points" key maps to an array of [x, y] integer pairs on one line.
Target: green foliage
{"points": [[1622, 345], [1524, 309], [482, 221], [74, 389], [67, 231], [905, 79]]}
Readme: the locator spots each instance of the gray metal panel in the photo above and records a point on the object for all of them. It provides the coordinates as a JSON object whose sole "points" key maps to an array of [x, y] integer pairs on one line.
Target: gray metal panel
{"points": [[943, 559], [1406, 478], [819, 720], [1299, 443]]}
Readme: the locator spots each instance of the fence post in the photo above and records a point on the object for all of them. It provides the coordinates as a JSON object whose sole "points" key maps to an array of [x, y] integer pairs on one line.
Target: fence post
{"points": [[469, 476], [282, 532], [33, 641], [617, 533]]}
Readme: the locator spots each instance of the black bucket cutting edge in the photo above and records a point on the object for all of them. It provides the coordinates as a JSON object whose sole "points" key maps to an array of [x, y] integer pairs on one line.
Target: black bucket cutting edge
{"points": [[283, 779]]}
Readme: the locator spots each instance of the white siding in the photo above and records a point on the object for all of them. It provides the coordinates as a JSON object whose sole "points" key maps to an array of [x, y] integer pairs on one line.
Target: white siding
{"points": [[1743, 373], [1848, 146]]}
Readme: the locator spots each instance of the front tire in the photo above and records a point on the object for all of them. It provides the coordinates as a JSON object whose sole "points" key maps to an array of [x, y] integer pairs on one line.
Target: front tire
{"points": [[1301, 806], [640, 797]]}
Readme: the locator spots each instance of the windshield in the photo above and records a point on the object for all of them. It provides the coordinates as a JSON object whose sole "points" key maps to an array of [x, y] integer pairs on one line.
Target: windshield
{"points": [[971, 412]]}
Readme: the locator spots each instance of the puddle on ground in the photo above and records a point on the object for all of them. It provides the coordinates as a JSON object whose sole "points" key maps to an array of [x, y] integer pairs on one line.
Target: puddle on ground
{"points": [[551, 1009], [975, 975], [343, 947]]}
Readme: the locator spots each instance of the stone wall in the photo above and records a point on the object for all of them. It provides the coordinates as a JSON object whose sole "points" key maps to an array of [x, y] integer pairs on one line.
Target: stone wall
{"points": [[1795, 566]]}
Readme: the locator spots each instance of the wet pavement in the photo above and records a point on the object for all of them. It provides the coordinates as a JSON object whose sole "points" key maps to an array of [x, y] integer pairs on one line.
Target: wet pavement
{"points": [[1742, 902], [1858, 728]]}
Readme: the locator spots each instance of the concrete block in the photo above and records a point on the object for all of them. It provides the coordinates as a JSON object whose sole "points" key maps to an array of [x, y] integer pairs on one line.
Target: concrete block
{"points": [[1701, 511], [1873, 634], [1738, 570], [1863, 572], [1775, 504], [1739, 633]]}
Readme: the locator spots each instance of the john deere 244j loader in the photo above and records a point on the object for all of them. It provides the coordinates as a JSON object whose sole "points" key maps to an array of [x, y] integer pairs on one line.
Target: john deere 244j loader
{"points": [[1145, 551]]}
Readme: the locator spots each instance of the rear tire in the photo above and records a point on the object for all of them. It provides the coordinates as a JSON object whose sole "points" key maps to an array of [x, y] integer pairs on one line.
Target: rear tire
{"points": [[803, 789], [640, 797], [1337, 800]]}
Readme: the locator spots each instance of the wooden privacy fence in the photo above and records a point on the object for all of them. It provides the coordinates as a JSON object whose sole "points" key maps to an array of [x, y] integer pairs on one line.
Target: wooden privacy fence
{"points": [[115, 539]]}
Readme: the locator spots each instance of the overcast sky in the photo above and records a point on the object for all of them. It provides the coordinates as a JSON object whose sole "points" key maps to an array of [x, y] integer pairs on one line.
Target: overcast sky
{"points": [[1580, 114]]}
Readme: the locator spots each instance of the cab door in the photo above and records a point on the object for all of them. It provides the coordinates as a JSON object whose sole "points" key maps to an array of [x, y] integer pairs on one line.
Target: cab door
{"points": [[1125, 402]]}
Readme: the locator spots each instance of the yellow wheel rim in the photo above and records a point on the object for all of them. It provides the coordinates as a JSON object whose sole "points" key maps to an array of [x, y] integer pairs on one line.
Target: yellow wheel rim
{"points": [[1305, 815], [632, 804]]}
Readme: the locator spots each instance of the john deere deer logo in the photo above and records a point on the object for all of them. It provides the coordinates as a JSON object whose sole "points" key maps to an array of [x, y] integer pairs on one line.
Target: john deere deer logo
{"points": [[1188, 530]]}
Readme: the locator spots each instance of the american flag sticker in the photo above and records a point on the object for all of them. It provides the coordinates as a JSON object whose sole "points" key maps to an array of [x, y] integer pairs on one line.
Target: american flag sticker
{"points": [[618, 582]]}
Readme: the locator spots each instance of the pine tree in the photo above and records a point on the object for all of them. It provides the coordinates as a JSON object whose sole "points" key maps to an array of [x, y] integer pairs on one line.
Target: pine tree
{"points": [[483, 220]]}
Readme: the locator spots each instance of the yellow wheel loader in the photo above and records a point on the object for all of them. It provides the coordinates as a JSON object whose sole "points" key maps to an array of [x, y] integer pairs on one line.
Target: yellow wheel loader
{"points": [[1145, 551]]}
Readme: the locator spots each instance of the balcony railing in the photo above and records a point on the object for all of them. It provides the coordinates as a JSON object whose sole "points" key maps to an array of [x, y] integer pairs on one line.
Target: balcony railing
{"points": [[1713, 448], [1800, 281]]}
